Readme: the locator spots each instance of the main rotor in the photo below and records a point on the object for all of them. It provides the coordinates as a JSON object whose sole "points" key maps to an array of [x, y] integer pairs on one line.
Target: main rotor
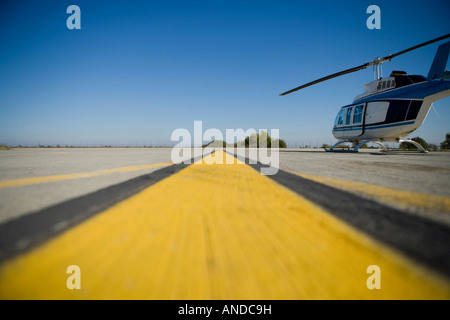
{"points": [[376, 63]]}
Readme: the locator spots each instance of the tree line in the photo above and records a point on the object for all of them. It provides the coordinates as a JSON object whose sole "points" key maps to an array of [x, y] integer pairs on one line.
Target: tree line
{"points": [[444, 145]]}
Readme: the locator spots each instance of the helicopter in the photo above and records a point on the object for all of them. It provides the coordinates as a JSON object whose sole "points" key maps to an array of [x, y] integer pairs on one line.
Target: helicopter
{"points": [[390, 108]]}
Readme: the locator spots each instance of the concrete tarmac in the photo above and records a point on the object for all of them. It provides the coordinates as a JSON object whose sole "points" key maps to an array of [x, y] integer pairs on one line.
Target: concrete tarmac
{"points": [[140, 227], [26, 163], [427, 174]]}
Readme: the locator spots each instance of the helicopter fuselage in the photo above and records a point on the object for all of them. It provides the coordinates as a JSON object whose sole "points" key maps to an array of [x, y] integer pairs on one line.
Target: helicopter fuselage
{"points": [[390, 108]]}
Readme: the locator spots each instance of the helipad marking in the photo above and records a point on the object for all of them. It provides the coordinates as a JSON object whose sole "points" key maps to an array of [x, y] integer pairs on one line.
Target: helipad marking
{"points": [[215, 231], [70, 176]]}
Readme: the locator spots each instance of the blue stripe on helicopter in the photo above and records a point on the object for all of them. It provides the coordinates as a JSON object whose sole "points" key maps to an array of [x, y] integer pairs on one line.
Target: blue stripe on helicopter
{"points": [[369, 127], [348, 128], [374, 126]]}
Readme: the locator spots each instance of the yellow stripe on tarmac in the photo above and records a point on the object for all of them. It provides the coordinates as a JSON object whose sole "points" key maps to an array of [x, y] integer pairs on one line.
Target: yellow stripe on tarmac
{"points": [[70, 176], [405, 199], [216, 231]]}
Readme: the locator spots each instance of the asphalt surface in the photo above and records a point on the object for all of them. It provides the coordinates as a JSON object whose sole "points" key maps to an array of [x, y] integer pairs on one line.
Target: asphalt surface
{"points": [[23, 163], [414, 172], [418, 172], [401, 201]]}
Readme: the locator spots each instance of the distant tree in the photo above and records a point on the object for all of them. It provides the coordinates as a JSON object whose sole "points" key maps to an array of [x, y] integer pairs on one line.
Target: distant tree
{"points": [[445, 145], [264, 138], [4, 147], [254, 140], [281, 143], [410, 146], [432, 146]]}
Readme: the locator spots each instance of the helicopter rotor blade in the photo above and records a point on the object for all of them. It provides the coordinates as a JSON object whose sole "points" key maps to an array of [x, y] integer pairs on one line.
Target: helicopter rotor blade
{"points": [[334, 75], [364, 66], [389, 57]]}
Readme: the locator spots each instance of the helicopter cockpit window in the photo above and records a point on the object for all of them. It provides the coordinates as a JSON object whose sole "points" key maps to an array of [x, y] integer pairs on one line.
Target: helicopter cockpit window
{"points": [[348, 116], [341, 117], [357, 116]]}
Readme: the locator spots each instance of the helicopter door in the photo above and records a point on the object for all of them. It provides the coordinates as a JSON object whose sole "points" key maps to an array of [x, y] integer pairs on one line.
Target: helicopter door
{"points": [[338, 130], [357, 120], [349, 122]]}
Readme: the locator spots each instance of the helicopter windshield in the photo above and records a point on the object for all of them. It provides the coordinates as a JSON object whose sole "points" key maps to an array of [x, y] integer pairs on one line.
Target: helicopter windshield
{"points": [[340, 117], [346, 117]]}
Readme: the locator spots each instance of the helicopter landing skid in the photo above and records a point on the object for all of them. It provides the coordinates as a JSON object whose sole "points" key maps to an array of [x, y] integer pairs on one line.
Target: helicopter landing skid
{"points": [[356, 149], [340, 150], [383, 147], [418, 145]]}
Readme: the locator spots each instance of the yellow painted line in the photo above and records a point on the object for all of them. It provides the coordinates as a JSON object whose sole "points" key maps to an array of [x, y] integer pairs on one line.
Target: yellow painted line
{"points": [[406, 199], [70, 176], [215, 231]]}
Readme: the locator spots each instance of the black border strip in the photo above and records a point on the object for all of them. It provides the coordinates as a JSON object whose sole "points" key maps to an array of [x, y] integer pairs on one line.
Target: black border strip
{"points": [[28, 231], [420, 239]]}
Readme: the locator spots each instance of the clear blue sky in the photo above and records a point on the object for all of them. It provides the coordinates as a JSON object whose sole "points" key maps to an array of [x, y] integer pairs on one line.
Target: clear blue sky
{"points": [[137, 70]]}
